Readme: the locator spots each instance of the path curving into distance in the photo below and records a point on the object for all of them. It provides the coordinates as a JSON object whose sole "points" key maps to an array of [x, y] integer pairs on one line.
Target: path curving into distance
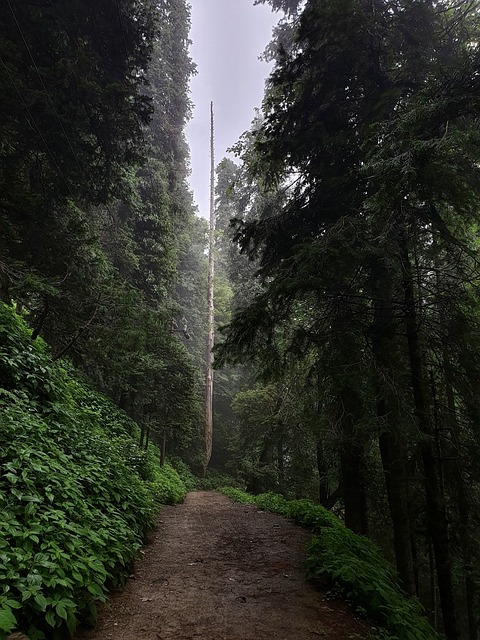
{"points": [[218, 570]]}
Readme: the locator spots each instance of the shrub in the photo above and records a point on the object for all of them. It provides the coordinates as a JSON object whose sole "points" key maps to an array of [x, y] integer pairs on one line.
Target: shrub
{"points": [[190, 481], [76, 493], [214, 480], [168, 487]]}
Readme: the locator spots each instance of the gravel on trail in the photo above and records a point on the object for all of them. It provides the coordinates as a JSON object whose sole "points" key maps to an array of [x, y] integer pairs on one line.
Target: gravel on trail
{"points": [[218, 570]]}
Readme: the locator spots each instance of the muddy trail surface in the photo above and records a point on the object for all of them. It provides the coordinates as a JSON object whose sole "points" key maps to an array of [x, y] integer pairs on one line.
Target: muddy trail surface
{"points": [[218, 570]]}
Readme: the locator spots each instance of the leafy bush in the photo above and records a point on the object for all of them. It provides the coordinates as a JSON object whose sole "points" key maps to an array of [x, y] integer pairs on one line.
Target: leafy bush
{"points": [[190, 481], [351, 564], [25, 365], [76, 493], [168, 487], [214, 480]]}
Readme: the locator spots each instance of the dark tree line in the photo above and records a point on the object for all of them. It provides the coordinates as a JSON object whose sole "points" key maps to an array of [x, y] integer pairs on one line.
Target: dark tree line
{"points": [[366, 322], [94, 206]]}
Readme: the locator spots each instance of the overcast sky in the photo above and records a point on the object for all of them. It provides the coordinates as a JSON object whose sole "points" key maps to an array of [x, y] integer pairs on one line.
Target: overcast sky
{"points": [[228, 36]]}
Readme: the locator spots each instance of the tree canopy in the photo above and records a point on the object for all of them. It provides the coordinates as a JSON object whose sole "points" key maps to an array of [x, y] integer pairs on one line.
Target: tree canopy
{"points": [[369, 132]]}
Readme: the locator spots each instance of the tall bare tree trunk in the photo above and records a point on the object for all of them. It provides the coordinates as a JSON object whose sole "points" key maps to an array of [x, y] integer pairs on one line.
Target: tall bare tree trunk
{"points": [[211, 308], [437, 520]]}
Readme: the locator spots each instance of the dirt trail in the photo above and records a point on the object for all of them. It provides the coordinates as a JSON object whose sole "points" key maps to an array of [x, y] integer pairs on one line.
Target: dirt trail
{"points": [[218, 570]]}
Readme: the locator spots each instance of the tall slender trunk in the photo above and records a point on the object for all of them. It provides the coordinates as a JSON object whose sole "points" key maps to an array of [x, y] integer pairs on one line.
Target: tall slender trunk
{"points": [[163, 446], [392, 451], [322, 466], [392, 448], [437, 521], [147, 436], [453, 469], [40, 320], [467, 545], [352, 455], [281, 462], [464, 507], [433, 605], [347, 381], [323, 493], [211, 308], [4, 286]]}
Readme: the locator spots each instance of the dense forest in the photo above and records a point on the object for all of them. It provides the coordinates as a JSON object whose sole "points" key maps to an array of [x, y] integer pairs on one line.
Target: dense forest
{"points": [[346, 305]]}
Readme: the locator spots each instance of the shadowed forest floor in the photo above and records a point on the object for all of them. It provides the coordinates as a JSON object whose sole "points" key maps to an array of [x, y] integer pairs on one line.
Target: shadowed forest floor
{"points": [[218, 570]]}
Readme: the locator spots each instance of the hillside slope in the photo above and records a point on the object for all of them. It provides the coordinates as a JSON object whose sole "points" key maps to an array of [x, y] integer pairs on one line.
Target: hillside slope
{"points": [[77, 493]]}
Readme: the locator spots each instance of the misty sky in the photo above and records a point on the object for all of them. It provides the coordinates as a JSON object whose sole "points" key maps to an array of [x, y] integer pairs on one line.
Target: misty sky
{"points": [[228, 36]]}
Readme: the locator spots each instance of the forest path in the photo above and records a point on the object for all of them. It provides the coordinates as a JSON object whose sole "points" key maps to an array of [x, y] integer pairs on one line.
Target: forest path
{"points": [[218, 570]]}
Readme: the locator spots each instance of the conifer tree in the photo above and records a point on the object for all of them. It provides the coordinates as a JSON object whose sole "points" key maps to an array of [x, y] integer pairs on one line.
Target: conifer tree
{"points": [[369, 124]]}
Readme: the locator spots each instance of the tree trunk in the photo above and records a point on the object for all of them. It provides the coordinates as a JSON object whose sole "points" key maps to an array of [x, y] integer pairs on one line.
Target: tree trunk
{"points": [[467, 542], [257, 483], [451, 444], [211, 309], [433, 586], [4, 286], [147, 436], [281, 462], [40, 321], [464, 506], [323, 493], [392, 449], [163, 449], [346, 378], [437, 521], [393, 461], [352, 462]]}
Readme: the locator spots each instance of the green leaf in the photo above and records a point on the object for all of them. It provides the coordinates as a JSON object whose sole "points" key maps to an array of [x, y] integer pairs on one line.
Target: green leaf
{"points": [[61, 611], [30, 509], [12, 477], [7, 620], [95, 590], [30, 498], [77, 576], [71, 623], [97, 565], [41, 601], [50, 618], [18, 494]]}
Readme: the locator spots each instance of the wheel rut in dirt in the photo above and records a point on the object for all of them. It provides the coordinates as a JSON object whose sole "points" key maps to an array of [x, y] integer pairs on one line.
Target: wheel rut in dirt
{"points": [[218, 570]]}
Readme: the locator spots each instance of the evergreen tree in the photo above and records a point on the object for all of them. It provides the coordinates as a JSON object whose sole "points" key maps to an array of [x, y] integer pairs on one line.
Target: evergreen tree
{"points": [[369, 125]]}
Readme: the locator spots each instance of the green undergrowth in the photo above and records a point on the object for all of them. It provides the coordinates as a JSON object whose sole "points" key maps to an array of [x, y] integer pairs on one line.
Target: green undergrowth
{"points": [[214, 480], [76, 492], [188, 478], [352, 566]]}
